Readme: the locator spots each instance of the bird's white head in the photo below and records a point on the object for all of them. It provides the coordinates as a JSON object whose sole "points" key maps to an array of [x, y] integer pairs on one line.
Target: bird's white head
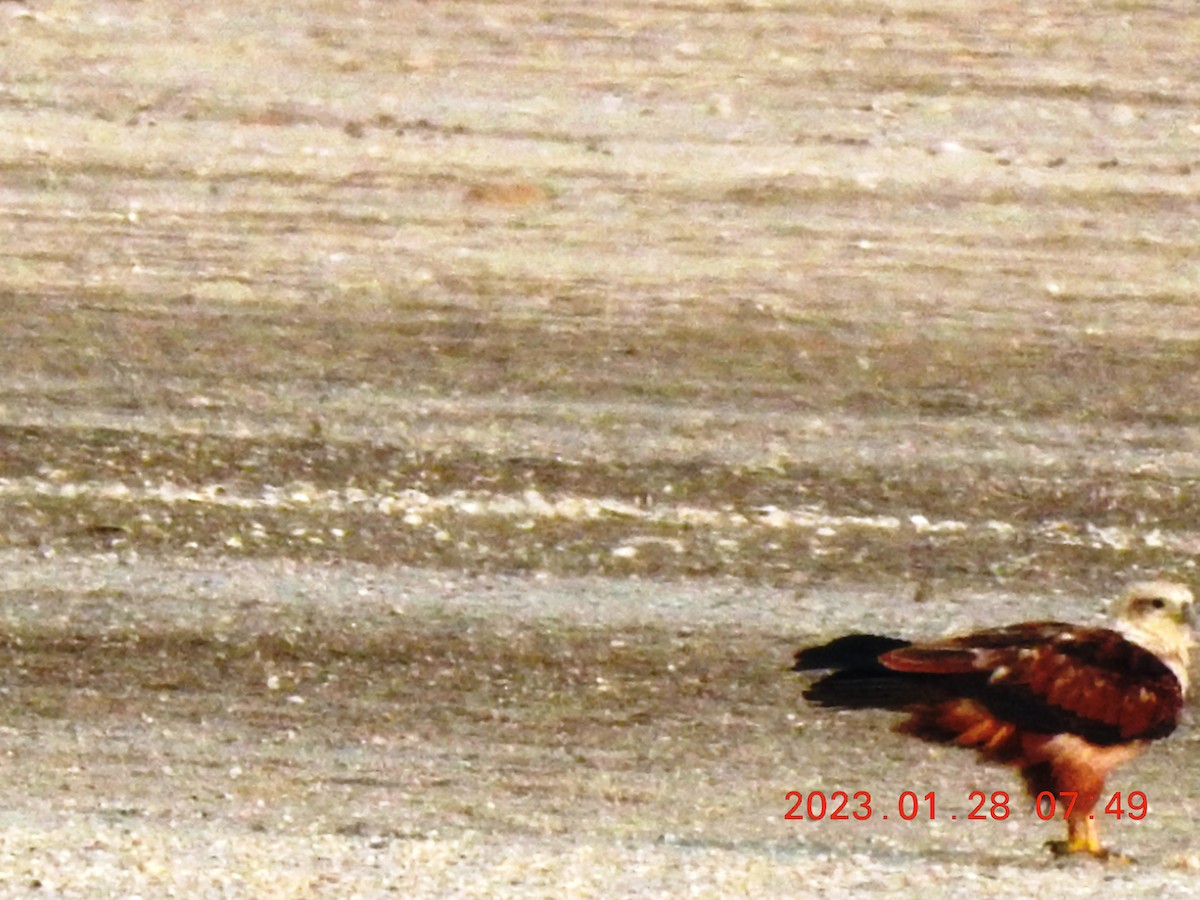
{"points": [[1158, 616]]}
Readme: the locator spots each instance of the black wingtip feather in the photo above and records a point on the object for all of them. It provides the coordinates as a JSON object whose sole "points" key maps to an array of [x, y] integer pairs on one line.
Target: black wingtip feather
{"points": [[849, 652], [859, 680]]}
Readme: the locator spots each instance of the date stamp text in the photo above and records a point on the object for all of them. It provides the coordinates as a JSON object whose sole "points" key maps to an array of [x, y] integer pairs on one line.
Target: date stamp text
{"points": [[842, 806]]}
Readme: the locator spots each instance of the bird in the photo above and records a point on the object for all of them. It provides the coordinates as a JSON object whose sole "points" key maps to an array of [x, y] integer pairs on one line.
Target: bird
{"points": [[1063, 704]]}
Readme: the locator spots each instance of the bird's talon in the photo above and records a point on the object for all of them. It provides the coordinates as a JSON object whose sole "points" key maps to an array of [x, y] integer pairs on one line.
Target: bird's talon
{"points": [[1063, 849]]}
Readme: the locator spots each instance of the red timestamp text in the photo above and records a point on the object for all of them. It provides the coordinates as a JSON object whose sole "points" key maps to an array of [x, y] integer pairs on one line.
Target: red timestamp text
{"points": [[845, 807]]}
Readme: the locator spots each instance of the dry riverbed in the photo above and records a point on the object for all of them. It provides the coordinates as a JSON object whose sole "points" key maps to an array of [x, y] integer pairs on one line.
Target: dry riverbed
{"points": [[427, 429]]}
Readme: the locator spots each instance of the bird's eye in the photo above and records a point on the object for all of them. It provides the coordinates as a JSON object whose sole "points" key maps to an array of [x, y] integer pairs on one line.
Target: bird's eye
{"points": [[1158, 603]]}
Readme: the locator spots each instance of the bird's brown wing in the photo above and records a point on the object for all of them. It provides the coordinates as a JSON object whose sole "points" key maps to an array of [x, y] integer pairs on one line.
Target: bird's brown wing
{"points": [[1050, 678]]}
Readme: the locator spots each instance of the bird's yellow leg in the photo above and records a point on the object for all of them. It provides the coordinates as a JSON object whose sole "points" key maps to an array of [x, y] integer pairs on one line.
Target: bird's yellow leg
{"points": [[1083, 836]]}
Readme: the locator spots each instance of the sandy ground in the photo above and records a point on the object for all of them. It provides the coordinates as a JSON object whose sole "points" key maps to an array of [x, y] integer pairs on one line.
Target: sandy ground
{"points": [[427, 429]]}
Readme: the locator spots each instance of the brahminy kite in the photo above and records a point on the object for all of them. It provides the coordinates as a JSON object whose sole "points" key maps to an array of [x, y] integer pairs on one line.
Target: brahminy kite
{"points": [[1064, 704]]}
